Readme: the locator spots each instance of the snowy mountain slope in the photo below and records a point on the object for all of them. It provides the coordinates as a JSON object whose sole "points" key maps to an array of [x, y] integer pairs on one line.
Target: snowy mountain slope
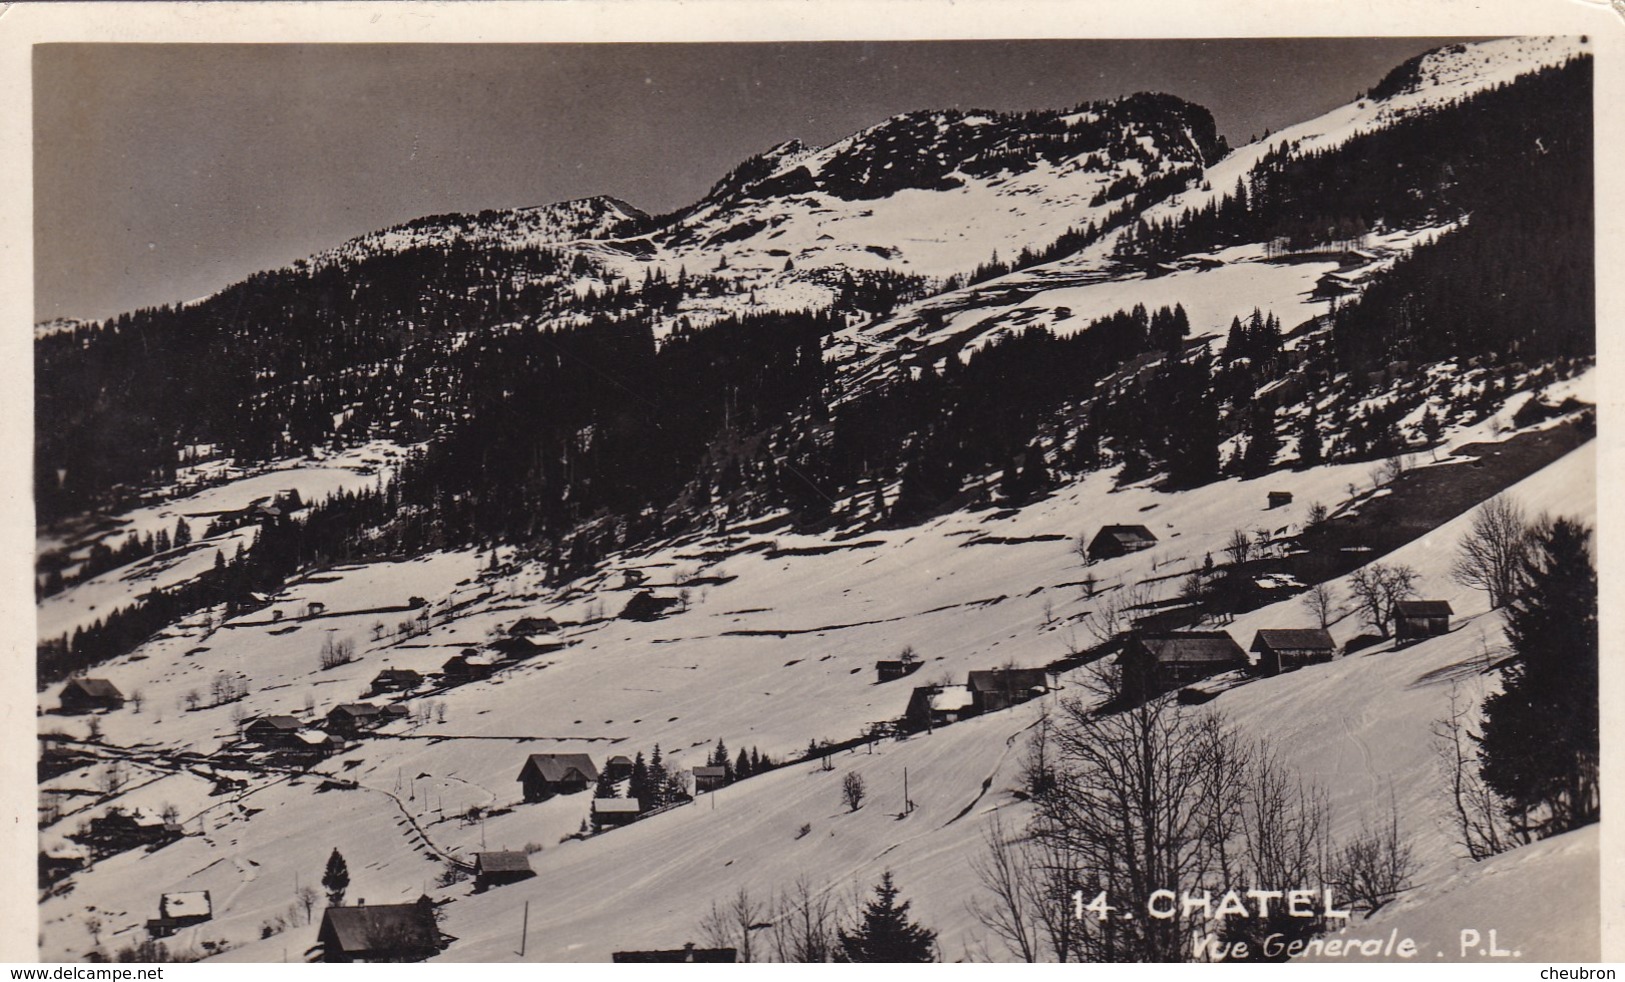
{"points": [[1065, 296], [1359, 725], [1441, 78], [803, 672], [82, 603], [1556, 881], [1031, 296], [552, 224]]}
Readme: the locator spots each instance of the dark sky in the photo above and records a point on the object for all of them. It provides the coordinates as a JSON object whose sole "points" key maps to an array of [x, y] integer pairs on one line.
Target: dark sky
{"points": [[165, 172]]}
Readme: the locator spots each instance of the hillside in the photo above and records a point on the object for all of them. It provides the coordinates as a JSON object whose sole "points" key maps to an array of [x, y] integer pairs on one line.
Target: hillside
{"points": [[734, 665]]}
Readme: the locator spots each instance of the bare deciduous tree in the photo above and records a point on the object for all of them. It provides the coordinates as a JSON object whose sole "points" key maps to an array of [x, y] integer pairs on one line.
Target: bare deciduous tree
{"points": [[1142, 800], [1377, 588], [1239, 547], [1321, 601], [1492, 552], [804, 924], [1114, 612], [1004, 870], [335, 652], [306, 898], [732, 926], [852, 791], [1478, 814], [1373, 867]]}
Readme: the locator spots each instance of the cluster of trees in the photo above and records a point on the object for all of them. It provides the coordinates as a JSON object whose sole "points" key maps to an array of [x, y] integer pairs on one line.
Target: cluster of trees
{"points": [[1164, 797], [810, 924], [1494, 151], [1527, 765]]}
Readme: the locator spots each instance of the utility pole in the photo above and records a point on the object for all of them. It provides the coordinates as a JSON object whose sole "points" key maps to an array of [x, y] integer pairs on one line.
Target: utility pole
{"points": [[524, 930], [908, 806]]}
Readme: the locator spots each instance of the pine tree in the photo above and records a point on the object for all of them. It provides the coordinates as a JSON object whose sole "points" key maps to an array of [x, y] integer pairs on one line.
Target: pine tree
{"points": [[183, 533], [1310, 450], [606, 788], [659, 781], [1541, 741], [637, 787], [885, 933], [336, 879], [742, 765]]}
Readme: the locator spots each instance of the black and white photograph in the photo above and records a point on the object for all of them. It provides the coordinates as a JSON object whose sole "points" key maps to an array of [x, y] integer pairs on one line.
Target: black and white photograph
{"points": [[823, 498]]}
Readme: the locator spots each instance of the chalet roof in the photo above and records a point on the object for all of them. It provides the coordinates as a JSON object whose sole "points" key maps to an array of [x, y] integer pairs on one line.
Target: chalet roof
{"points": [[398, 927], [1192, 646], [1423, 608], [502, 862], [1002, 679], [615, 806], [193, 903], [556, 767], [96, 688], [1126, 534], [399, 673], [1290, 638], [952, 698], [620, 759], [312, 738], [533, 625], [687, 953], [516, 645], [357, 709], [711, 770], [286, 724]]}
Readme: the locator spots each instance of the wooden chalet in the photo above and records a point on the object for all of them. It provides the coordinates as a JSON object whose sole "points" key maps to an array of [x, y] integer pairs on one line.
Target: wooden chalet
{"points": [[610, 813], [118, 830], [396, 680], [382, 933], [645, 606], [545, 775], [353, 717], [466, 667], [1154, 663], [310, 745], [526, 626], [618, 767], [1001, 688], [89, 695], [178, 910], [1120, 540], [514, 648], [1284, 649], [710, 777], [1280, 499], [938, 705], [273, 731], [889, 671], [1416, 619], [687, 953], [495, 869], [58, 864]]}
